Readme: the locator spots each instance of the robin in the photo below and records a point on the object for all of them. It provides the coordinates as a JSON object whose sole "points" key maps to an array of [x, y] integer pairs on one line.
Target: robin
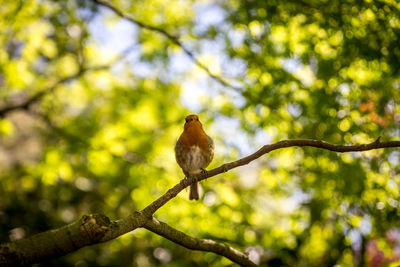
{"points": [[194, 150]]}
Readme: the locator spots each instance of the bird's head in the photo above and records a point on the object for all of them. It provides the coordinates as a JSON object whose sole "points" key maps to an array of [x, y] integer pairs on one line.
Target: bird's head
{"points": [[192, 121]]}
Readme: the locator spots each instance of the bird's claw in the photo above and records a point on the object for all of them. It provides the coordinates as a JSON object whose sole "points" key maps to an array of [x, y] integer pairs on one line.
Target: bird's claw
{"points": [[225, 168], [203, 173]]}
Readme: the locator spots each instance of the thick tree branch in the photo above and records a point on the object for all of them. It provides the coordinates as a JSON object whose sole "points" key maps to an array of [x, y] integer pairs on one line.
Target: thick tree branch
{"points": [[94, 229], [172, 38], [189, 242], [50, 244]]}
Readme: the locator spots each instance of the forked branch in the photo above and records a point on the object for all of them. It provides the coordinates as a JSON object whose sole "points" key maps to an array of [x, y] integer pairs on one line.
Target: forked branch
{"points": [[93, 229]]}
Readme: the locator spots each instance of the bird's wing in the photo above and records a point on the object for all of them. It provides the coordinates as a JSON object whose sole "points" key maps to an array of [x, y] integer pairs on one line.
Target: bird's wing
{"points": [[210, 149], [178, 145], [179, 155], [210, 141]]}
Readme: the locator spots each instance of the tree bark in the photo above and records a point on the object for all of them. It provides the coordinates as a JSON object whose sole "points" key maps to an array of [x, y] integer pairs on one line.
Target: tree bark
{"points": [[97, 228]]}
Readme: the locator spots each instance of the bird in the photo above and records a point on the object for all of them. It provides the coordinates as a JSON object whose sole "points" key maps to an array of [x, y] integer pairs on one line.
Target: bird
{"points": [[194, 151]]}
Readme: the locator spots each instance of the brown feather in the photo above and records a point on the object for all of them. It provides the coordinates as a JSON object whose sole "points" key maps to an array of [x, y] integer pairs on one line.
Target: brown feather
{"points": [[194, 135]]}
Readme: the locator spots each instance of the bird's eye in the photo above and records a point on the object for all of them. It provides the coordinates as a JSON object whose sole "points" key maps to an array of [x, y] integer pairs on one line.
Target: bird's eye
{"points": [[197, 119], [186, 120]]}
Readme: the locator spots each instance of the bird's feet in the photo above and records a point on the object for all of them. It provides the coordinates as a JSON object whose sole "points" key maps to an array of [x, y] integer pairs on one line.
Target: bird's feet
{"points": [[203, 173], [225, 168]]}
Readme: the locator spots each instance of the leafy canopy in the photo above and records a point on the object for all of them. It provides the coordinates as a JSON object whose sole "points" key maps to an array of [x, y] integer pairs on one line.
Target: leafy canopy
{"points": [[101, 140]]}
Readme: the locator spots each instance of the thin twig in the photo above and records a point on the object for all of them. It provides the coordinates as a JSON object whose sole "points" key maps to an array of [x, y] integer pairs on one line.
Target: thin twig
{"points": [[172, 38], [36, 97], [26, 103]]}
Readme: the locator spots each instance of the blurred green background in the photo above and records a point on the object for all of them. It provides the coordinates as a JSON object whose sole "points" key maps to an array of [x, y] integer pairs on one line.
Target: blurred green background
{"points": [[102, 141]]}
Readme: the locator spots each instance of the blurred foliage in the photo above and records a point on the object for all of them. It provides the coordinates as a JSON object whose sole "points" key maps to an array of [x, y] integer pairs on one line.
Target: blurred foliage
{"points": [[102, 142]]}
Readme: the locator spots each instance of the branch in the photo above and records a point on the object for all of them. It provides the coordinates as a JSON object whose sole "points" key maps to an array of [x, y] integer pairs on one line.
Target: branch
{"points": [[97, 228], [36, 97], [153, 207], [25, 104], [189, 242], [300, 143], [172, 38], [89, 230]]}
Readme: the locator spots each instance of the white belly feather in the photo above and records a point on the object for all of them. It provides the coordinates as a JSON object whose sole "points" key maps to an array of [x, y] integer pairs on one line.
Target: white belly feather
{"points": [[195, 160]]}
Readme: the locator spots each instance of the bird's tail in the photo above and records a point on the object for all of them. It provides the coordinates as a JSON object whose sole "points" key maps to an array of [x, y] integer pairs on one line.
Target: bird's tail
{"points": [[194, 191]]}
